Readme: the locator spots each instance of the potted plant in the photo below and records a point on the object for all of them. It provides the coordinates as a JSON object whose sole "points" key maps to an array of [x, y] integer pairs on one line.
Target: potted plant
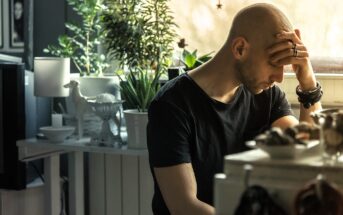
{"points": [[191, 60], [139, 35], [82, 44], [186, 60]]}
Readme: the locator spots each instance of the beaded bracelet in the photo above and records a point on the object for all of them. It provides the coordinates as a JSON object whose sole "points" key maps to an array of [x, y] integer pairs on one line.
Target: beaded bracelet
{"points": [[309, 98]]}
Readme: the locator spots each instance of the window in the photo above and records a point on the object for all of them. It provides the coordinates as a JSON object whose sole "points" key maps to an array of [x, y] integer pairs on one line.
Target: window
{"points": [[206, 28]]}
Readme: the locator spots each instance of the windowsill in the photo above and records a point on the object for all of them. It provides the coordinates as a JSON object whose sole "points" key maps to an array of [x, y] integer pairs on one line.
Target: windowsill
{"points": [[332, 84]]}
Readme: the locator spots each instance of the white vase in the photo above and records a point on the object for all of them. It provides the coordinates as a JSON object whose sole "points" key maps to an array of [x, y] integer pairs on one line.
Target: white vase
{"points": [[136, 123]]}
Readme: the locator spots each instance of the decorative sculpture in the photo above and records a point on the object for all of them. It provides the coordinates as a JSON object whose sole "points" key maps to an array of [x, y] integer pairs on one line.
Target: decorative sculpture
{"points": [[80, 103], [107, 107]]}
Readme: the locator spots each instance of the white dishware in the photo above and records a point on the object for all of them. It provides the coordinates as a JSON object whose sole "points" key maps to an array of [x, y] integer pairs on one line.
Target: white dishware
{"points": [[57, 134], [290, 151]]}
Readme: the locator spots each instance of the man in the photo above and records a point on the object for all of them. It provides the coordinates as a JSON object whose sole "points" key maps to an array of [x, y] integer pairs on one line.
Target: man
{"points": [[199, 117]]}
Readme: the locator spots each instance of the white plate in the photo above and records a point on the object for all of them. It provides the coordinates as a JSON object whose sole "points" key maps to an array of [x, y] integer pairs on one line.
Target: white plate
{"points": [[284, 151]]}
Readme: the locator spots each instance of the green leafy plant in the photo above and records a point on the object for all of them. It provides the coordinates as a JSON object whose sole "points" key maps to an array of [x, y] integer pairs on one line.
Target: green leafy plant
{"points": [[139, 34], [191, 59], [138, 89], [81, 44]]}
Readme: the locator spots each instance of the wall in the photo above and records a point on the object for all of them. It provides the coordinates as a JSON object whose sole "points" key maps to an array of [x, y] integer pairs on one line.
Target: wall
{"points": [[49, 17], [49, 20]]}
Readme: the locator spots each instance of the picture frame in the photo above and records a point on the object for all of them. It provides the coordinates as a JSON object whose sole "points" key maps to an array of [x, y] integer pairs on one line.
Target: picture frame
{"points": [[17, 29], [1, 25]]}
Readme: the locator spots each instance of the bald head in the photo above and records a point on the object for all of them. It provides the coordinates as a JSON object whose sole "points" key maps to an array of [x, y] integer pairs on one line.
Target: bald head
{"points": [[259, 23]]}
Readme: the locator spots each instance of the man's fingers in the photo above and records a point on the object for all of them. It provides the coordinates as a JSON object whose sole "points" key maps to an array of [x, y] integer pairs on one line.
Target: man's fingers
{"points": [[279, 47], [289, 36], [297, 32], [298, 51], [292, 60]]}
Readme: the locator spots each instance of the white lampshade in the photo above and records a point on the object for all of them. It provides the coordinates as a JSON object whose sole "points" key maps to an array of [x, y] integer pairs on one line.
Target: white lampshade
{"points": [[51, 74]]}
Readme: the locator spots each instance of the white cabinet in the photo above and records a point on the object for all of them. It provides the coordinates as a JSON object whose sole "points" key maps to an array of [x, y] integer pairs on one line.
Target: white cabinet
{"points": [[120, 184], [120, 181]]}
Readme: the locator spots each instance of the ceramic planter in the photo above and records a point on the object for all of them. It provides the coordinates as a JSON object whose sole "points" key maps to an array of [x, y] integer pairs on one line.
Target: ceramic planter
{"points": [[136, 123]]}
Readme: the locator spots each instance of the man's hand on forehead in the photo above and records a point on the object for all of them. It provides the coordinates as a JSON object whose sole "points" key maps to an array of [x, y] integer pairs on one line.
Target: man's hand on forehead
{"points": [[288, 49]]}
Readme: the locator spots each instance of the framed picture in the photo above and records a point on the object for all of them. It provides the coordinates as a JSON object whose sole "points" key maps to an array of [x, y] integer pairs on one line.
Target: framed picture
{"points": [[16, 23], [1, 25]]}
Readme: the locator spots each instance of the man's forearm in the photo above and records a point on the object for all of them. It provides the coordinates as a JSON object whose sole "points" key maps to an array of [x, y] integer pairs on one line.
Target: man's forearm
{"points": [[305, 114]]}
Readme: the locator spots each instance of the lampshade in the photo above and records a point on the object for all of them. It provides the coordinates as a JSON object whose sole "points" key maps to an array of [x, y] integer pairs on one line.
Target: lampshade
{"points": [[51, 74]]}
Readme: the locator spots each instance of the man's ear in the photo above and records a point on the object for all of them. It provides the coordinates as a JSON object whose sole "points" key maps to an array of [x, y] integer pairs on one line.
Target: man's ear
{"points": [[239, 47]]}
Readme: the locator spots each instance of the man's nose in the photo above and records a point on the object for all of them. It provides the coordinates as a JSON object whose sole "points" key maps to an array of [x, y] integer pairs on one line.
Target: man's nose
{"points": [[277, 75]]}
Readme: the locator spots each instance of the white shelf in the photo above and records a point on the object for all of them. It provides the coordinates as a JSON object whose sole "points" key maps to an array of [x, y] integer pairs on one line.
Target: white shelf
{"points": [[33, 148]]}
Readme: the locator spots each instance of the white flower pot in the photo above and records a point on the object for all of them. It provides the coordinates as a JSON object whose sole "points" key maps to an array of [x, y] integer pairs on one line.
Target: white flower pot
{"points": [[136, 123], [93, 86]]}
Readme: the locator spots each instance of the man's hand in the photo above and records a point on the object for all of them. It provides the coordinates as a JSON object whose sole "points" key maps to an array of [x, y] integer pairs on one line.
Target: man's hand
{"points": [[291, 50]]}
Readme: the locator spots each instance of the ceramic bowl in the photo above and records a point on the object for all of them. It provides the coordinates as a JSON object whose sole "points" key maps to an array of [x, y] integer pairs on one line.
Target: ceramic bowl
{"points": [[290, 151], [57, 134]]}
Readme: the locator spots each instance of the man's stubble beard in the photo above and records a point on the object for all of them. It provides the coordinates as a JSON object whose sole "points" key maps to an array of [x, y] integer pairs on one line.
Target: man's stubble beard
{"points": [[246, 77]]}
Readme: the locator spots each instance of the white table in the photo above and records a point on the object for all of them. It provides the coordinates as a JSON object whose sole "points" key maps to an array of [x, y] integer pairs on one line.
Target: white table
{"points": [[120, 180], [282, 178]]}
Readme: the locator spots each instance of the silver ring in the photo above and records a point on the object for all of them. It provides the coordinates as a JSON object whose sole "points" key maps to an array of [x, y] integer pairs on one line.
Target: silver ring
{"points": [[295, 52]]}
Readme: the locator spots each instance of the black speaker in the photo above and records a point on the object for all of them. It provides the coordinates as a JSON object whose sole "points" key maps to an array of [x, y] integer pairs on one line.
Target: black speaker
{"points": [[17, 121]]}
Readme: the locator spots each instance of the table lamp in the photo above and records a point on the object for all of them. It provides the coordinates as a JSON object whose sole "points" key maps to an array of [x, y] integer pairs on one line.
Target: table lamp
{"points": [[50, 76]]}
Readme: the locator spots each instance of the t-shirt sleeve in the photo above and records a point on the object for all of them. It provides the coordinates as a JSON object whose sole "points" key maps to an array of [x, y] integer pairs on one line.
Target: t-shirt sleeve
{"points": [[280, 105], [168, 135]]}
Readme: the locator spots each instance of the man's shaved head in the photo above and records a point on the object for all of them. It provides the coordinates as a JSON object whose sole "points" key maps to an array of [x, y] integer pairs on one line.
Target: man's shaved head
{"points": [[259, 23]]}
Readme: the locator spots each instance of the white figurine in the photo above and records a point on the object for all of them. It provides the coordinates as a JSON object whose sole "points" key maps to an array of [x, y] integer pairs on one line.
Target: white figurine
{"points": [[80, 102]]}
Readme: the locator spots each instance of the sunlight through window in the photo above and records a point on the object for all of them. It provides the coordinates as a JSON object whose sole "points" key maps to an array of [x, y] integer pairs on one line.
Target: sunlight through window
{"points": [[205, 27]]}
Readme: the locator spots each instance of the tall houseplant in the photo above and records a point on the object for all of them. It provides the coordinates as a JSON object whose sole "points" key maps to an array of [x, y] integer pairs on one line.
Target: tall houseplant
{"points": [[139, 34], [81, 44]]}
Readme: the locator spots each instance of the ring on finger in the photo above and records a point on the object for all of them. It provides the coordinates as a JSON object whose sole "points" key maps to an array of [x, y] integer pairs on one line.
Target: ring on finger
{"points": [[295, 52]]}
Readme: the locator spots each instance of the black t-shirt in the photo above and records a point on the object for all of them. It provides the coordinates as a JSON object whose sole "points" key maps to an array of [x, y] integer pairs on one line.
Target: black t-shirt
{"points": [[187, 126]]}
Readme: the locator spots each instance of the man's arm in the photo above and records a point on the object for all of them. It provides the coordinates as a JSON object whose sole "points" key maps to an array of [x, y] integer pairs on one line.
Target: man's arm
{"points": [[293, 51], [179, 189], [285, 122]]}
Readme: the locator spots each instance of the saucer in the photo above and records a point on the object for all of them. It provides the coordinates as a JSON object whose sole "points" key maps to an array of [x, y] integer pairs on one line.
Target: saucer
{"points": [[57, 134]]}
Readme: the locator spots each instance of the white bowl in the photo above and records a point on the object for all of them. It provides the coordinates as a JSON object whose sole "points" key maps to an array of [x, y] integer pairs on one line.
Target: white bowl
{"points": [[57, 134], [284, 151]]}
